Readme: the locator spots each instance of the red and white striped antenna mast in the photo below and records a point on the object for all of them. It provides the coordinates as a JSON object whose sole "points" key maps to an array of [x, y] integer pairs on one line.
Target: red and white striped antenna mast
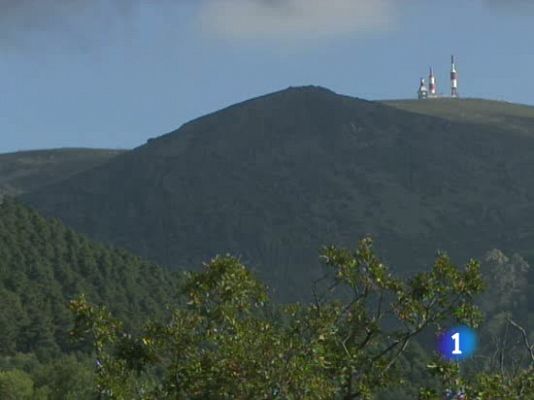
{"points": [[432, 89], [454, 79]]}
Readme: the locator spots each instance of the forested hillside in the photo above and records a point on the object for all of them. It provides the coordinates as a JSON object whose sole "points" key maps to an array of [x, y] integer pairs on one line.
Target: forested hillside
{"points": [[44, 265]]}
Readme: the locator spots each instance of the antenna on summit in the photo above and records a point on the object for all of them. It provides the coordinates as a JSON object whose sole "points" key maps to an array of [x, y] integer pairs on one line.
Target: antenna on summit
{"points": [[432, 89], [454, 79], [422, 93]]}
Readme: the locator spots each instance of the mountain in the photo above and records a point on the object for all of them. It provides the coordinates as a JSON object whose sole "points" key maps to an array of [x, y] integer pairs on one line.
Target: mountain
{"points": [[25, 171], [276, 177], [44, 265]]}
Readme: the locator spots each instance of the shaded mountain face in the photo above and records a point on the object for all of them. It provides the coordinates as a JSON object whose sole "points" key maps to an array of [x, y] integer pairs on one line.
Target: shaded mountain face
{"points": [[275, 178], [26, 171]]}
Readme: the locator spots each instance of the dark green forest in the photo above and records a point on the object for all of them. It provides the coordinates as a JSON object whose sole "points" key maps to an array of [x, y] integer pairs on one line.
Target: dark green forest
{"points": [[44, 265]]}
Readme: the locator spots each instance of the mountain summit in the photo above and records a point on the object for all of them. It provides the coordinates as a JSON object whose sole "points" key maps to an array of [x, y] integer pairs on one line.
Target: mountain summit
{"points": [[274, 178]]}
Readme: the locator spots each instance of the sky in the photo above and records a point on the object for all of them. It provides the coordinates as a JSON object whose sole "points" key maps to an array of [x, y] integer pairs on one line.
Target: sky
{"points": [[113, 73]]}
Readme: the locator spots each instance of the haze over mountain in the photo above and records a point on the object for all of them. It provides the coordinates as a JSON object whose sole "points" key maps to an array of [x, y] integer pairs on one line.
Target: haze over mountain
{"points": [[274, 178], [25, 171]]}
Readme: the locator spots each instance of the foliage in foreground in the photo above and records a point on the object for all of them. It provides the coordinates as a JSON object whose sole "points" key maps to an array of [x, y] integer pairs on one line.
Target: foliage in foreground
{"points": [[230, 342]]}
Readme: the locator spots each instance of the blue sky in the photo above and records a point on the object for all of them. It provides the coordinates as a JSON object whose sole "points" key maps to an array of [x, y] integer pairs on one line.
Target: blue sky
{"points": [[112, 74]]}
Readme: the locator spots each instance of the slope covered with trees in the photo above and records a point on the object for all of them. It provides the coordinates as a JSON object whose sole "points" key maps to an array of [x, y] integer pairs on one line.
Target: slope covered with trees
{"points": [[43, 265]]}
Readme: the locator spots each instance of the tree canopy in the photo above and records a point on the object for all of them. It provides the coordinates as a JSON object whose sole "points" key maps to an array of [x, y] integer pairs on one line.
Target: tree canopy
{"points": [[229, 341]]}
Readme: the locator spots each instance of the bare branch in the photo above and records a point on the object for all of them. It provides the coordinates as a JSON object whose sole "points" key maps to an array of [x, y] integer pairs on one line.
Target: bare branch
{"points": [[530, 348]]}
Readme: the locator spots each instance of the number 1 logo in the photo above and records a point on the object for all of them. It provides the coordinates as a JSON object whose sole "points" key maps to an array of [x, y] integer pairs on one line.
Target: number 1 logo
{"points": [[457, 343], [456, 338]]}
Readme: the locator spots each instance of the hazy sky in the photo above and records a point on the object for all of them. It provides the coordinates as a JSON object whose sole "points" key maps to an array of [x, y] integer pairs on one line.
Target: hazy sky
{"points": [[112, 73]]}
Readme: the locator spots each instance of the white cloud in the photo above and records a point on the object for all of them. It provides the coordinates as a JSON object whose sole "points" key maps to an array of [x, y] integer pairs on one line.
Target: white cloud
{"points": [[296, 19]]}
